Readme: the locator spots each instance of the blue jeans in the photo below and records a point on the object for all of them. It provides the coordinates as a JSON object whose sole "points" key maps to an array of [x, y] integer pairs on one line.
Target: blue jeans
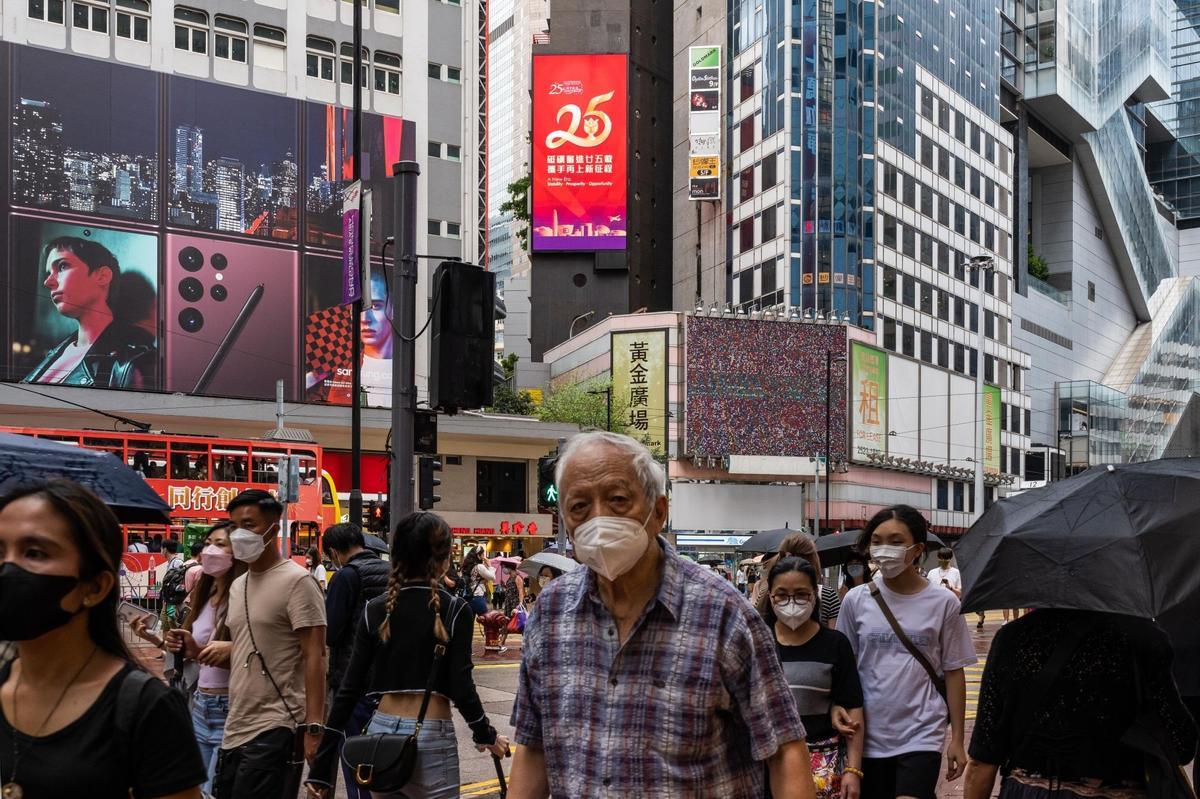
{"points": [[436, 774], [479, 604], [208, 723]]}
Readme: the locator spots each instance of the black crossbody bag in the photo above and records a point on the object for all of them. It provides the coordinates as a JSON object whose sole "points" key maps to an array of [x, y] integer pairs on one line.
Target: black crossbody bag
{"points": [[384, 762]]}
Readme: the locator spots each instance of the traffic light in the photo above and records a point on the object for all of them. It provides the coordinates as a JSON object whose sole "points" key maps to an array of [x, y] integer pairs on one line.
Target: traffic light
{"points": [[427, 482], [547, 488], [377, 517]]}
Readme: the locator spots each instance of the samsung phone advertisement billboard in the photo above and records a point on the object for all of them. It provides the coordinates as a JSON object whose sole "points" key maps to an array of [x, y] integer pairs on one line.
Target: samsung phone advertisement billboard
{"points": [[580, 145], [166, 234]]}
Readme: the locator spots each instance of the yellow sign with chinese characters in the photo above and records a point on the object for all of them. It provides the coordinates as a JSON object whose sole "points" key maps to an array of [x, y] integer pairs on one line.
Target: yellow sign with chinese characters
{"points": [[639, 384]]}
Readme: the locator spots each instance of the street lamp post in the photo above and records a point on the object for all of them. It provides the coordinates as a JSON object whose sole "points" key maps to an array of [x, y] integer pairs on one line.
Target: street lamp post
{"points": [[830, 358], [607, 392], [979, 265], [580, 318], [357, 308]]}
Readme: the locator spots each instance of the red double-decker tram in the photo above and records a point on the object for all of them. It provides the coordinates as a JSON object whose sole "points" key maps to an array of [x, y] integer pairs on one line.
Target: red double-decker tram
{"points": [[198, 475]]}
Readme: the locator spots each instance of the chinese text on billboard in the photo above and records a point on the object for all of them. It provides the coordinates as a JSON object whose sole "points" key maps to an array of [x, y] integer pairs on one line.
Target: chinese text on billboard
{"points": [[639, 377]]}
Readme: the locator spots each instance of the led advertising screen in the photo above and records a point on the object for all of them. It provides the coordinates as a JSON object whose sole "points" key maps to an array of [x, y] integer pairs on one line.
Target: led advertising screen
{"points": [[758, 387], [580, 145], [163, 233]]}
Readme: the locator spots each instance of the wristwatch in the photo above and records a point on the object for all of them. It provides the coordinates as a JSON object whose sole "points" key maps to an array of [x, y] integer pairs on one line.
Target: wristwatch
{"points": [[313, 728]]}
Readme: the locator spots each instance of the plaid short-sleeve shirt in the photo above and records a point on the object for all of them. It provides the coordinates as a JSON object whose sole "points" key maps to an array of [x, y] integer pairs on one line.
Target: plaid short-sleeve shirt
{"points": [[690, 706]]}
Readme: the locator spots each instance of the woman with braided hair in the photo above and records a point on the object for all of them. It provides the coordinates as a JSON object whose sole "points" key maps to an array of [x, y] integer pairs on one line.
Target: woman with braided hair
{"points": [[392, 657]]}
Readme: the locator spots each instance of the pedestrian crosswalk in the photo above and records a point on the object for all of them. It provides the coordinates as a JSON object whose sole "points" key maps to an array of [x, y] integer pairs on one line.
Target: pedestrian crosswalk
{"points": [[974, 678]]}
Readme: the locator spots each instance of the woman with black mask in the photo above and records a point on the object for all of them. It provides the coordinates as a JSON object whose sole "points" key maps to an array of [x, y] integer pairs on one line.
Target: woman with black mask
{"points": [[80, 718], [393, 656]]}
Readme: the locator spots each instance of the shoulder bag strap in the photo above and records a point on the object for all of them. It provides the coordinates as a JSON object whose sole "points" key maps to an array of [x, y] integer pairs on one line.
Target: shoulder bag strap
{"points": [[939, 682], [439, 649]]}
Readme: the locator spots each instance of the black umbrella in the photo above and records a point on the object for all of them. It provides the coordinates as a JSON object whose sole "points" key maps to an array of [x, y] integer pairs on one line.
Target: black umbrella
{"points": [[835, 548], [1120, 539], [23, 458], [767, 540], [375, 543]]}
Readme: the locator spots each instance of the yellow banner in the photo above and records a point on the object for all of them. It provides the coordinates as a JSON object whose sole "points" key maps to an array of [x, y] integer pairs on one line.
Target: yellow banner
{"points": [[639, 383]]}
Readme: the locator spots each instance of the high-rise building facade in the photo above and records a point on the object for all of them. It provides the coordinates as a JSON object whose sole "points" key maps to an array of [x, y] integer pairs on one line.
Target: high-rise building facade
{"points": [[38, 168]]}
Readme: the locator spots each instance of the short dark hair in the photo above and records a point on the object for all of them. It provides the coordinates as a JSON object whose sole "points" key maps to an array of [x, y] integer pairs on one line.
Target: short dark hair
{"points": [[945, 553], [171, 545], [92, 253], [342, 537], [196, 548], [256, 496]]}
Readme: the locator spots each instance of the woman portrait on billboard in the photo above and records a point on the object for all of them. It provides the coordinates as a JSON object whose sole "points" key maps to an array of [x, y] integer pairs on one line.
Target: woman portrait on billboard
{"points": [[102, 317], [328, 376]]}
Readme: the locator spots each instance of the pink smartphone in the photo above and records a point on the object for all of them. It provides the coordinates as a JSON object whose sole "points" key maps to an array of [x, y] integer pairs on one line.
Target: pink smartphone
{"points": [[232, 318]]}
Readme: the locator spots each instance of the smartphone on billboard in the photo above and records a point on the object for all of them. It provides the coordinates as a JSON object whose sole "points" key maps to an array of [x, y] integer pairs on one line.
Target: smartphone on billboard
{"points": [[128, 612], [232, 317]]}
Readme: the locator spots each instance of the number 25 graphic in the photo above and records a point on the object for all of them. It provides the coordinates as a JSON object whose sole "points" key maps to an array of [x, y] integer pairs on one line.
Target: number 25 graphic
{"points": [[591, 118]]}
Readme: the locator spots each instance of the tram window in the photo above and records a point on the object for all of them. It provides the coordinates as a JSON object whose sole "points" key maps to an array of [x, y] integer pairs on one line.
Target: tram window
{"points": [[114, 445], [326, 494], [266, 465], [149, 458], [189, 461], [308, 466], [229, 465]]}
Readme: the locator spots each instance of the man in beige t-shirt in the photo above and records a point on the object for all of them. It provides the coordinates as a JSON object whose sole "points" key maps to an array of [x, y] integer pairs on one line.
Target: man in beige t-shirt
{"points": [[276, 619]]}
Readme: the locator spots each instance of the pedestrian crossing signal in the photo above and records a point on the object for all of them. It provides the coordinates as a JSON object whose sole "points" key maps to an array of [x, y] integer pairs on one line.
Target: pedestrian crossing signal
{"points": [[547, 488]]}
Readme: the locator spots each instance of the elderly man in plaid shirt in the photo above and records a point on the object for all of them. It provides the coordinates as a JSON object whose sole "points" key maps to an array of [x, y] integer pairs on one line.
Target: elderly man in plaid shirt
{"points": [[645, 675]]}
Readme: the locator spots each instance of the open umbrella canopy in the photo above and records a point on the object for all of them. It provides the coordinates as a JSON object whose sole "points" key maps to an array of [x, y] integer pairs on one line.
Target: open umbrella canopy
{"points": [[534, 563], [767, 540], [1120, 539], [24, 458], [834, 549]]}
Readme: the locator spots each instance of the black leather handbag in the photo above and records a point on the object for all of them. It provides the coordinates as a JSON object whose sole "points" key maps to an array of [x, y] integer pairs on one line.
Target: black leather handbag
{"points": [[384, 762]]}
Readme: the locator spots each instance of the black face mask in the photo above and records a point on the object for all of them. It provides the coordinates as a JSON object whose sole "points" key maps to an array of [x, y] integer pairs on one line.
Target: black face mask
{"points": [[29, 603]]}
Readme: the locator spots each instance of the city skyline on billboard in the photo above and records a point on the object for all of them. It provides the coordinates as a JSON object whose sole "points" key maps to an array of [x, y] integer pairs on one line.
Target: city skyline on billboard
{"points": [[580, 152], [203, 214]]}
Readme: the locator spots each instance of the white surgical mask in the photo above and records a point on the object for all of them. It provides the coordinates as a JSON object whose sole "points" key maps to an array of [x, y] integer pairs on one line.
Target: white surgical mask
{"points": [[247, 545], [611, 545], [543, 581], [891, 560], [793, 613]]}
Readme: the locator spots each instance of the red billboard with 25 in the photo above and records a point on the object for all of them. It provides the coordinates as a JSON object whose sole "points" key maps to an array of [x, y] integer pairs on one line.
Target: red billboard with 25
{"points": [[580, 133]]}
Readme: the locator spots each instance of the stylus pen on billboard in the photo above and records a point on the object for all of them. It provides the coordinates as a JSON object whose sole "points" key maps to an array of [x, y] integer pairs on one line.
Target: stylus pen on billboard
{"points": [[227, 343]]}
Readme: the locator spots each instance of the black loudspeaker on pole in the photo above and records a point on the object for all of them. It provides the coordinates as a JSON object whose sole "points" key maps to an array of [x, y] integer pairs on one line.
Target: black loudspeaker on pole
{"points": [[404, 314]]}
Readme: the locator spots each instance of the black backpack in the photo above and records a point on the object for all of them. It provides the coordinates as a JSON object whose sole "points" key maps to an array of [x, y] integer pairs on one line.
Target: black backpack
{"points": [[172, 591]]}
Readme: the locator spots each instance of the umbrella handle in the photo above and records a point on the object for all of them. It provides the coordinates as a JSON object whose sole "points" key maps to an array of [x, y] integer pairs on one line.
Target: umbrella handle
{"points": [[500, 777]]}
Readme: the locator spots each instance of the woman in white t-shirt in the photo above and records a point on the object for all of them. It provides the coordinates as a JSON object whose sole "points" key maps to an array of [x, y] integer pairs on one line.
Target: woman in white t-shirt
{"points": [[902, 752], [312, 559]]}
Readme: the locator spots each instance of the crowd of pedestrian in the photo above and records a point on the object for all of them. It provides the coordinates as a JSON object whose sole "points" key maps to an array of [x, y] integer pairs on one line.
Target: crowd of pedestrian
{"points": [[642, 674]]}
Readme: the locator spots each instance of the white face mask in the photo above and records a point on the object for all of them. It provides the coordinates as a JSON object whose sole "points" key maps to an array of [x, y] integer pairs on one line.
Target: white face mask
{"points": [[891, 560], [793, 613], [247, 545], [611, 545], [543, 582]]}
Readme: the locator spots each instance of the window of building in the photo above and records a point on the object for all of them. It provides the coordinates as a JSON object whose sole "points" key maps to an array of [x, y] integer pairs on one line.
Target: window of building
{"points": [[910, 191], [500, 486], [943, 257], [191, 30], [943, 353], [960, 173], [960, 359], [435, 71], [387, 72], [391, 6], [960, 220], [889, 231], [943, 165], [230, 38], [47, 10], [454, 74], [909, 241], [746, 234], [989, 192], [746, 83], [973, 315], [133, 20], [974, 235], [769, 176], [746, 184], [434, 227], [453, 230], [769, 218], [926, 249], [976, 182], [889, 282], [972, 361], [927, 102], [927, 201], [989, 324], [958, 496], [943, 494], [89, 17], [889, 334], [989, 148], [746, 133], [319, 58], [270, 47], [943, 211], [943, 306], [908, 340], [746, 285], [767, 278], [976, 134], [960, 126], [909, 291], [926, 346], [890, 177], [1091, 291], [926, 298], [346, 65], [960, 312], [944, 116], [1028, 422]]}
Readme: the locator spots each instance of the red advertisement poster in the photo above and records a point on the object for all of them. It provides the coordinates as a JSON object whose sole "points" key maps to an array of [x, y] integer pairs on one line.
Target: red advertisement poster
{"points": [[580, 134]]}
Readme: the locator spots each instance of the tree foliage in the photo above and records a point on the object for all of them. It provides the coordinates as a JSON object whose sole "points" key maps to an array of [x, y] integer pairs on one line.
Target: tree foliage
{"points": [[509, 400], [517, 204], [586, 405], [1037, 265]]}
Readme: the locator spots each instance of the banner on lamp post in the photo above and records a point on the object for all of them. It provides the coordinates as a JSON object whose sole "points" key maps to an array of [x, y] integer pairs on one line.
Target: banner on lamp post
{"points": [[991, 429]]}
